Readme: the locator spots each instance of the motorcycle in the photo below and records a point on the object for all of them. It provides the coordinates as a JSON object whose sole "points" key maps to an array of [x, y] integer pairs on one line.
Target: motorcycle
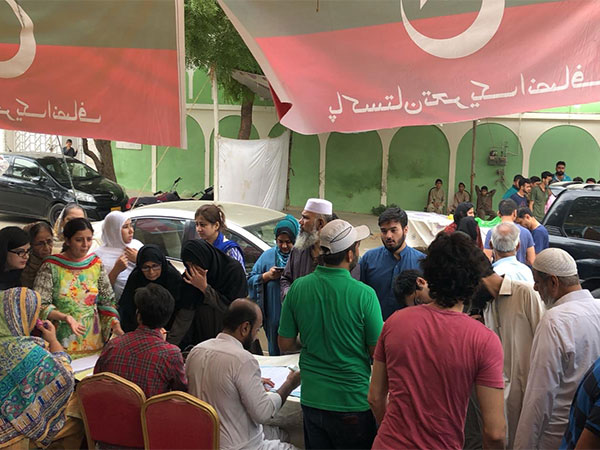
{"points": [[170, 196]]}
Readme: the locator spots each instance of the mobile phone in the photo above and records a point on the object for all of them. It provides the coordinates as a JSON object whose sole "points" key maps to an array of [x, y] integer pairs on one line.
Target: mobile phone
{"points": [[280, 269]]}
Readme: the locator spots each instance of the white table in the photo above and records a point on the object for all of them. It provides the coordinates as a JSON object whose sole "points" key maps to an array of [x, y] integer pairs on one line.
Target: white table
{"points": [[289, 417]]}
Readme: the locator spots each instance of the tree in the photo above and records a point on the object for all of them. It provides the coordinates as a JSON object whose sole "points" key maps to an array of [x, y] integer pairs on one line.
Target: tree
{"points": [[104, 159], [212, 43]]}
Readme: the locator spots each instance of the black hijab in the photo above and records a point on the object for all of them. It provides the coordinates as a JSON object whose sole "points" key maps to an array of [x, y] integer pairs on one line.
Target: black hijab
{"points": [[468, 225], [10, 239], [169, 278], [225, 274], [461, 211]]}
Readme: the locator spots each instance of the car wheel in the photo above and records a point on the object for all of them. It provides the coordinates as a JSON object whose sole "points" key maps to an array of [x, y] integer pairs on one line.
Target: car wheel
{"points": [[54, 212]]}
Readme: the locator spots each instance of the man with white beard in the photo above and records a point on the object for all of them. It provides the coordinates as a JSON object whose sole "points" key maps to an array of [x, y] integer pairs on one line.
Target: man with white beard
{"points": [[566, 343], [304, 256]]}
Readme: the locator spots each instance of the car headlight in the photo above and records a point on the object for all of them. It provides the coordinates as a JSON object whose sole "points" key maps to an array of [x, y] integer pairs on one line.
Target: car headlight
{"points": [[84, 197]]}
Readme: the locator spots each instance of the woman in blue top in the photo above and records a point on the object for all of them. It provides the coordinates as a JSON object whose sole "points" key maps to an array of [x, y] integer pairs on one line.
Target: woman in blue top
{"points": [[210, 223], [263, 281]]}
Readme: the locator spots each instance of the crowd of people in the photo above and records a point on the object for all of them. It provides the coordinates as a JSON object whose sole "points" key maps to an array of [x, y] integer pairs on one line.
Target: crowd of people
{"points": [[480, 342], [532, 193]]}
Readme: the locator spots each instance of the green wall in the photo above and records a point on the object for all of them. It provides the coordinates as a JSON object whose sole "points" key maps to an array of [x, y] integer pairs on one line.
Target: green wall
{"points": [[353, 171], [418, 156], [489, 135], [570, 144], [133, 167], [228, 127], [185, 163], [304, 176]]}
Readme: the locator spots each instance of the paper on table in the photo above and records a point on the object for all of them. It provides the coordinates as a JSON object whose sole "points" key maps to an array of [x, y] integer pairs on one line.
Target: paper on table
{"points": [[278, 375], [83, 364]]}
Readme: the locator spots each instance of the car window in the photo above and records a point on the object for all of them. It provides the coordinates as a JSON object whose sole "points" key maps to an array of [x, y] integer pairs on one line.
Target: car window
{"points": [[78, 170], [250, 251], [25, 169], [167, 233], [264, 231], [583, 220]]}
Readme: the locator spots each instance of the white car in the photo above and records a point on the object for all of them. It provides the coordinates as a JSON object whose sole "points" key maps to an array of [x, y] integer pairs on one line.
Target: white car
{"points": [[170, 224]]}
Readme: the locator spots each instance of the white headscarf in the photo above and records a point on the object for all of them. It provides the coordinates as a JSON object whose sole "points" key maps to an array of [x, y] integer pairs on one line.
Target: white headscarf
{"points": [[113, 247]]}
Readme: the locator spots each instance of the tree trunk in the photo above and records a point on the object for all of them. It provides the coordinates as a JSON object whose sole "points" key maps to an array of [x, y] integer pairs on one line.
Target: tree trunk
{"points": [[105, 151], [246, 114], [104, 162]]}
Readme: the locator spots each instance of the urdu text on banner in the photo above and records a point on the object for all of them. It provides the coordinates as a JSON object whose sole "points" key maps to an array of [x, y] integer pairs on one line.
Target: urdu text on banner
{"points": [[357, 65], [95, 68]]}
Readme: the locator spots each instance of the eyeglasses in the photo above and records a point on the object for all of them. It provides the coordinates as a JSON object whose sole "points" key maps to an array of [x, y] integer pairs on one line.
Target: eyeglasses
{"points": [[21, 253], [150, 268], [47, 243]]}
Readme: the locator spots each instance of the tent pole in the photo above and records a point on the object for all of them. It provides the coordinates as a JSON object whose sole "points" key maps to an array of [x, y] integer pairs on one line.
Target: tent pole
{"points": [[473, 157], [215, 97]]}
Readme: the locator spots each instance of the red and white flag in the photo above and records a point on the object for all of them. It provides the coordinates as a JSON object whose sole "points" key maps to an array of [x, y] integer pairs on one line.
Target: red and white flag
{"points": [[356, 65], [95, 68]]}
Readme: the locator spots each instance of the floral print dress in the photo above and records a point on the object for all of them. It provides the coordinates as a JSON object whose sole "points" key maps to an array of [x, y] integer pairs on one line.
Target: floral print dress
{"points": [[80, 289]]}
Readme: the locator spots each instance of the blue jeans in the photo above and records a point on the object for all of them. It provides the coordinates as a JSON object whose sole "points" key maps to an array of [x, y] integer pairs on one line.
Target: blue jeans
{"points": [[333, 429]]}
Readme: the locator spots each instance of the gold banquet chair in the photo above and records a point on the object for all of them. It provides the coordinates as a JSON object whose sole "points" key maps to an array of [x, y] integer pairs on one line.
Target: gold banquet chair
{"points": [[111, 409], [176, 420]]}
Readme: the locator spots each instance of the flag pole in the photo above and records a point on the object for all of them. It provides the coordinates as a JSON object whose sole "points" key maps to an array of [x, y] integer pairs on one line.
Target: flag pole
{"points": [[473, 158], [215, 97]]}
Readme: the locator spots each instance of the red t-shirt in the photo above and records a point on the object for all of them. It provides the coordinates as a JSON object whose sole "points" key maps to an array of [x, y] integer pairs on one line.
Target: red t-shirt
{"points": [[433, 357]]}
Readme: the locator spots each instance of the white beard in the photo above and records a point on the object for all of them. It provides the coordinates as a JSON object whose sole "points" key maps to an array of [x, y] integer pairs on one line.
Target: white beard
{"points": [[306, 240]]}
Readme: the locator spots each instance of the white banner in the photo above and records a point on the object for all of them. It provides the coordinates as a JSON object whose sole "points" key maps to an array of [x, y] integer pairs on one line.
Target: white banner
{"points": [[254, 171]]}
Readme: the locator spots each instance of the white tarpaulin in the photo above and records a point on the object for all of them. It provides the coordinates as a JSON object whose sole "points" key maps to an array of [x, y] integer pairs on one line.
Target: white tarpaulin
{"points": [[254, 171]]}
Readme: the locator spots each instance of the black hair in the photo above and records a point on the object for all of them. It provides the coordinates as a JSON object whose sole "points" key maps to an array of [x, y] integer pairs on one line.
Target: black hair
{"points": [[546, 174], [517, 177], [521, 212], [335, 259], [75, 225], [438, 180], [35, 228], [155, 304], [393, 215], [405, 284], [535, 179], [507, 206], [590, 179], [70, 140], [453, 268], [523, 182], [484, 187], [578, 180], [461, 183], [240, 311], [561, 163]]}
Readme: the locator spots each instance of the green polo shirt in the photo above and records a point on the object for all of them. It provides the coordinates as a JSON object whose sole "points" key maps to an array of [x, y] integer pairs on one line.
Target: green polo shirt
{"points": [[337, 318]]}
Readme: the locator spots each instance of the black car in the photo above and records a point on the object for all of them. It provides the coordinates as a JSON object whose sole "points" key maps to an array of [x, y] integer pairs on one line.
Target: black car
{"points": [[38, 185], [573, 223]]}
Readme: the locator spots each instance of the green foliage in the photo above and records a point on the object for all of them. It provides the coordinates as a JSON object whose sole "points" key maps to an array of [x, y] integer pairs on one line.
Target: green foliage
{"points": [[212, 41], [377, 210]]}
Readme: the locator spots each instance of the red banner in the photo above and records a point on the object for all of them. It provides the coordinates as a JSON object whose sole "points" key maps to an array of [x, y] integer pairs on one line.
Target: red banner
{"points": [[99, 69], [361, 65]]}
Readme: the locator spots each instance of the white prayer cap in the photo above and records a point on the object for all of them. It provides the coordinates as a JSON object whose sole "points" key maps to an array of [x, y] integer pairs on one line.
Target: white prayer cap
{"points": [[338, 235], [319, 206], [555, 261]]}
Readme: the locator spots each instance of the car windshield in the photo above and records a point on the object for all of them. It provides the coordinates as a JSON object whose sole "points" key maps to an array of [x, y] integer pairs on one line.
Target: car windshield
{"points": [[56, 168], [264, 231]]}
